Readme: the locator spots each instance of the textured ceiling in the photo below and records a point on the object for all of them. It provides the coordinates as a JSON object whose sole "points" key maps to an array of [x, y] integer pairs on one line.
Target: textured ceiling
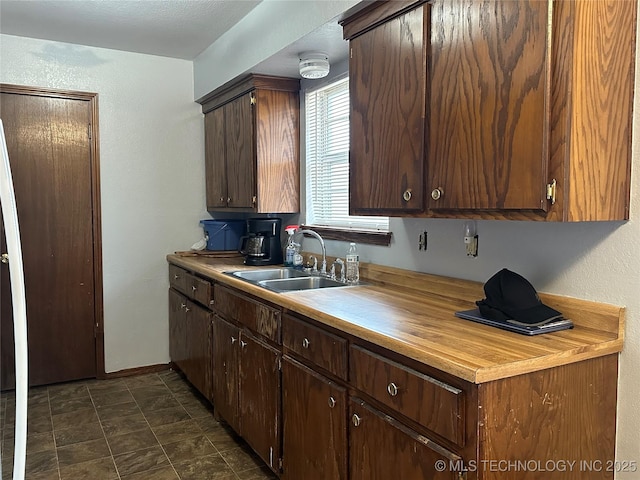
{"points": [[170, 28]]}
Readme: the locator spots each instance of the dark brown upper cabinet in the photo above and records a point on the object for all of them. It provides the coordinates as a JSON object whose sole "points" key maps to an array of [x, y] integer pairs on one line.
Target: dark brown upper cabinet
{"points": [[387, 86], [252, 145], [527, 109]]}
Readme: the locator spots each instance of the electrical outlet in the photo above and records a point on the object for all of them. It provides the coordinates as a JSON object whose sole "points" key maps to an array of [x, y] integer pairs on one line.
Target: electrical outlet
{"points": [[422, 241]]}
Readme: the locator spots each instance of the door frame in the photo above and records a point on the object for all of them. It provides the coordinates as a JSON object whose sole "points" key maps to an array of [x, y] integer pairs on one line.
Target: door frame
{"points": [[94, 150]]}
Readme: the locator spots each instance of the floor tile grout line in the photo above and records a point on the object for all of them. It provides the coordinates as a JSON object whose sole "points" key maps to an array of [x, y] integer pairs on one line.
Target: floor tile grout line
{"points": [[53, 434], [153, 431], [104, 434]]}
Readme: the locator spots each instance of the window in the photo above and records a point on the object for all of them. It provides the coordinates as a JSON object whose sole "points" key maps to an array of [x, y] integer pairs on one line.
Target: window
{"points": [[327, 168]]}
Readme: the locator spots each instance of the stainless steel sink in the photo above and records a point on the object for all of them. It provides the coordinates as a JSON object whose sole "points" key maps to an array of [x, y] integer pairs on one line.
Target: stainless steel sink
{"points": [[285, 279], [300, 283], [267, 274]]}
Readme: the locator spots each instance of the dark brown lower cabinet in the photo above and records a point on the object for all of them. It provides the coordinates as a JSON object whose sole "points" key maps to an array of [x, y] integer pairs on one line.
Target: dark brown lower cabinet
{"points": [[177, 328], [198, 348], [260, 404], [226, 339], [314, 425], [381, 448], [190, 341]]}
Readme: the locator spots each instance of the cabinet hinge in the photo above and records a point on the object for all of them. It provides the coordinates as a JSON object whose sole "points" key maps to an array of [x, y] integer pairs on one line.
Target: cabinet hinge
{"points": [[462, 475], [279, 364], [254, 200], [551, 191], [280, 463], [89, 131], [252, 97]]}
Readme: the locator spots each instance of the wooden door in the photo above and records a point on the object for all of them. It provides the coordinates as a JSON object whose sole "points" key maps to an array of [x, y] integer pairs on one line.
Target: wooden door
{"points": [[314, 432], [240, 146], [199, 356], [215, 164], [488, 128], [225, 344], [387, 82], [381, 448], [177, 329], [56, 182], [260, 398]]}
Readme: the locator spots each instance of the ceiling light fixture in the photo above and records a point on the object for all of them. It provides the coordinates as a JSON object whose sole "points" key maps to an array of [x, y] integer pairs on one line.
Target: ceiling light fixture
{"points": [[314, 65]]}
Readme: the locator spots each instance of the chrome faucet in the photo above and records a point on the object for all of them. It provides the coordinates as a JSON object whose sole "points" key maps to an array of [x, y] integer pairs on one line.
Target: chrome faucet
{"points": [[323, 268]]}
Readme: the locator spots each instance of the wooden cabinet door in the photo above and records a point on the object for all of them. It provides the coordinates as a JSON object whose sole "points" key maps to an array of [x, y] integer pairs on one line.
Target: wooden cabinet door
{"points": [[488, 127], [387, 92], [177, 329], [225, 343], [198, 348], [240, 147], [260, 398], [314, 425], [381, 449], [215, 159]]}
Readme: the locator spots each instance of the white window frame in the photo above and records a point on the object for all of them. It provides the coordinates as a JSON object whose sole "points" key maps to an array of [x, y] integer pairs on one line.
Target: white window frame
{"points": [[327, 153]]}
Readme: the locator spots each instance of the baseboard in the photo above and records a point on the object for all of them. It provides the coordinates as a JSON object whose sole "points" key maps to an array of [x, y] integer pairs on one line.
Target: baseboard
{"points": [[139, 370]]}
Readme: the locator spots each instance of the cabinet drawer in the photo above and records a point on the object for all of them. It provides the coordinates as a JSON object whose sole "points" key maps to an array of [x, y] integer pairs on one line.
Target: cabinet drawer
{"points": [[200, 290], [255, 315], [326, 350], [426, 400], [178, 278]]}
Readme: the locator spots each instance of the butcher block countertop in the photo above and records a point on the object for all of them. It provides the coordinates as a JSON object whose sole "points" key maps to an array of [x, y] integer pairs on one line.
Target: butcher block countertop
{"points": [[412, 314]]}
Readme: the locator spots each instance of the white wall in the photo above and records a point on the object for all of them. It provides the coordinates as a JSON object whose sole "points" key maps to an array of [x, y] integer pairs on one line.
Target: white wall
{"points": [[152, 177], [267, 29]]}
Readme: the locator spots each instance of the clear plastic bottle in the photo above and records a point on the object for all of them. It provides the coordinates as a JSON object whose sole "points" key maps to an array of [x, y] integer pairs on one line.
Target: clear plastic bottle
{"points": [[290, 249], [353, 265]]}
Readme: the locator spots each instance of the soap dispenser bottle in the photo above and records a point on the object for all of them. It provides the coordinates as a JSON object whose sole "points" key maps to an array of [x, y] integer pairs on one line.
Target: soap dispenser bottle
{"points": [[353, 265], [290, 249]]}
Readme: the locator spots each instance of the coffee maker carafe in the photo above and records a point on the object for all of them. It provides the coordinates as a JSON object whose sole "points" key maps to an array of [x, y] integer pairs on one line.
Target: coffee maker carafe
{"points": [[261, 245]]}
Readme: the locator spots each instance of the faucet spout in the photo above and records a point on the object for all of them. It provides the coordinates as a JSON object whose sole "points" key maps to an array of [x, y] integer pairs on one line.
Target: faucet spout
{"points": [[323, 268]]}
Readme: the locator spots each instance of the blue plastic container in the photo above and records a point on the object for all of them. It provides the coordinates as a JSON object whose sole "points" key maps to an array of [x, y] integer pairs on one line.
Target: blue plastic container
{"points": [[223, 234]]}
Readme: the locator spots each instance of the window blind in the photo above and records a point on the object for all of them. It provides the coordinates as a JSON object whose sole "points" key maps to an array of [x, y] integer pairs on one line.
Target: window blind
{"points": [[327, 160]]}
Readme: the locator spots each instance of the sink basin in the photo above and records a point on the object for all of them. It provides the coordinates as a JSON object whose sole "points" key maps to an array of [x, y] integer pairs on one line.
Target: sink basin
{"points": [[268, 274], [284, 279], [299, 283]]}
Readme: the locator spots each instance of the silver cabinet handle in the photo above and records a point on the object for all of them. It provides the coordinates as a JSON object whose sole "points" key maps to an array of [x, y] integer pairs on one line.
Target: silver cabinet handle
{"points": [[194, 288], [187, 309], [355, 419], [305, 343], [221, 199], [243, 344], [233, 340], [4, 258], [406, 196], [183, 305], [436, 193], [176, 277], [392, 389], [332, 402]]}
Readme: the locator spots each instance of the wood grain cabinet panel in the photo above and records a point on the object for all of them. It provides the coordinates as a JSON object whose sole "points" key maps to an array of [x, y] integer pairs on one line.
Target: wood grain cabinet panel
{"points": [[325, 350], [488, 110], [387, 82], [226, 342], [252, 145], [314, 425], [178, 278], [381, 449], [499, 109], [257, 316], [260, 402], [198, 348], [177, 328], [424, 399]]}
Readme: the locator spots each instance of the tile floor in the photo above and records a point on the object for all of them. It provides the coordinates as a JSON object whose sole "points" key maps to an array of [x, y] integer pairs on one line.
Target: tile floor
{"points": [[151, 427]]}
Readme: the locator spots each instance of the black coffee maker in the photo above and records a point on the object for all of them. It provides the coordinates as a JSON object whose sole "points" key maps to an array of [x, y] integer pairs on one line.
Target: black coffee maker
{"points": [[261, 245]]}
